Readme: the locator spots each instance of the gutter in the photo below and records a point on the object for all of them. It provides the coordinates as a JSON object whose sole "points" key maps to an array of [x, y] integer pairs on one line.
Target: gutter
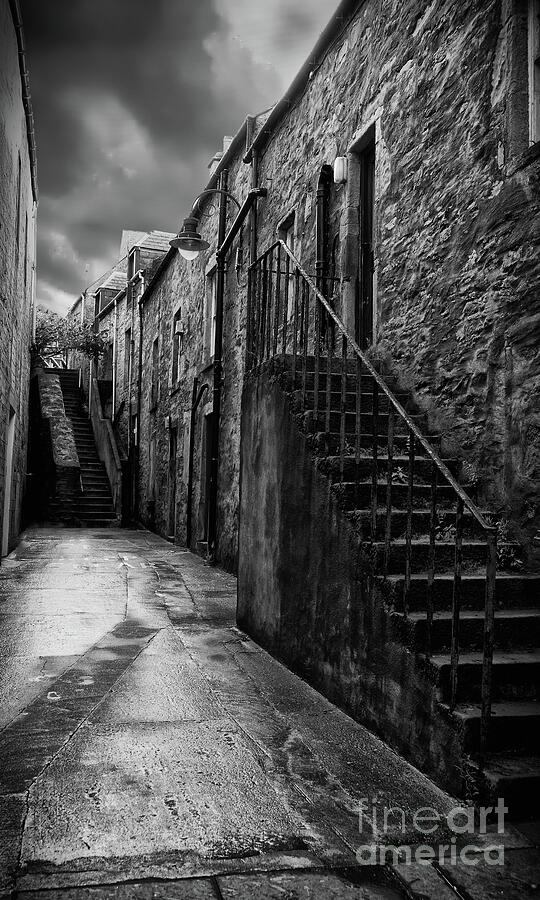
{"points": [[339, 21], [27, 102]]}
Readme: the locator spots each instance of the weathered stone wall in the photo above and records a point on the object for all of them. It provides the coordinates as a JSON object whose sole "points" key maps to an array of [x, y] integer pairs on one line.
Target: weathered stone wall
{"points": [[457, 203], [56, 483], [17, 223], [305, 595], [184, 288]]}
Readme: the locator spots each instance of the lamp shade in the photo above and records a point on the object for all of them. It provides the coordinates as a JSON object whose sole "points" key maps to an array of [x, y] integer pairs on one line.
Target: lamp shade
{"points": [[188, 241]]}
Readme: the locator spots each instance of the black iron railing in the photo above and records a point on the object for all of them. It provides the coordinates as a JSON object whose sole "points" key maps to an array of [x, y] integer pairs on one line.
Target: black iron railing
{"points": [[290, 316]]}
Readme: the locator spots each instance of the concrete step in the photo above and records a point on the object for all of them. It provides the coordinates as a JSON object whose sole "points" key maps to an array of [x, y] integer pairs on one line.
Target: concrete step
{"points": [[514, 726], [420, 523], [316, 422], [328, 443], [353, 496], [515, 675], [354, 470], [515, 629], [474, 555], [513, 590], [516, 779], [366, 399]]}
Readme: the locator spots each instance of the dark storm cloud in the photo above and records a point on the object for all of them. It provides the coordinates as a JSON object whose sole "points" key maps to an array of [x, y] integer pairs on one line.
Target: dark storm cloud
{"points": [[131, 99]]}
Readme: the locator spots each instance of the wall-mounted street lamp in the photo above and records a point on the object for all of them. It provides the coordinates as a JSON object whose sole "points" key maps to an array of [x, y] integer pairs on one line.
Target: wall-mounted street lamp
{"points": [[190, 243]]}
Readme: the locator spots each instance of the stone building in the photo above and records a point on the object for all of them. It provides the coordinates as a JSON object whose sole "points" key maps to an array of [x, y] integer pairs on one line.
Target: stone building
{"points": [[18, 203], [378, 429]]}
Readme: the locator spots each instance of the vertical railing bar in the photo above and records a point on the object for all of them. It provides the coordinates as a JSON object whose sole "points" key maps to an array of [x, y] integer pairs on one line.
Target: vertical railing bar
{"points": [[431, 558], [456, 605], [343, 408], [277, 300], [389, 475], [374, 457], [317, 354], [489, 640], [305, 311], [286, 302], [408, 532], [358, 429], [258, 313], [263, 305], [328, 386], [249, 329], [269, 304], [295, 326]]}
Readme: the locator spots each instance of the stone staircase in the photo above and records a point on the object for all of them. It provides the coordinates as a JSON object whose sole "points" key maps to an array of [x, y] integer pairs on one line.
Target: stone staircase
{"points": [[511, 768], [94, 508]]}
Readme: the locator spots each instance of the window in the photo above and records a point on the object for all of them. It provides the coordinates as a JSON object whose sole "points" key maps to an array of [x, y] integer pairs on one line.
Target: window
{"points": [[177, 347], [210, 329], [155, 367], [128, 359], [18, 214], [534, 70], [286, 231]]}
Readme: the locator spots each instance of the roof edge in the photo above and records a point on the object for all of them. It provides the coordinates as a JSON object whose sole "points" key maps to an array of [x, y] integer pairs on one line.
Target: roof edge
{"points": [[342, 16], [27, 101]]}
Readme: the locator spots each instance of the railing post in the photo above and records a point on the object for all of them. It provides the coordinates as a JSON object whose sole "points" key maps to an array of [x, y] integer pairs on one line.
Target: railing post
{"points": [[456, 604], [286, 303], [277, 300], [408, 529], [343, 408], [374, 459], [389, 474], [489, 639], [431, 560]]}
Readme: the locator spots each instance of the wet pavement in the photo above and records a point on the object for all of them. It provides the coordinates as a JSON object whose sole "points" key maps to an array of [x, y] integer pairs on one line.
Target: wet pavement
{"points": [[150, 749]]}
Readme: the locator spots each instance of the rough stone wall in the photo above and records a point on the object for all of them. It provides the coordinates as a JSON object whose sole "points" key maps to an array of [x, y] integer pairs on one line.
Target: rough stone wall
{"points": [[16, 271], [304, 594], [457, 203], [184, 288]]}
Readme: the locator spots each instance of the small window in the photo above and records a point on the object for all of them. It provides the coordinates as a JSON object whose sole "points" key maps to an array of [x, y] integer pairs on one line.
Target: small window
{"points": [[534, 70], [177, 347], [155, 373], [128, 359], [286, 231]]}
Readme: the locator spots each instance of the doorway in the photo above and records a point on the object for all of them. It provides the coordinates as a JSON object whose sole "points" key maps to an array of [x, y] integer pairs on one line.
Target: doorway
{"points": [[206, 468], [173, 446], [366, 270], [8, 481]]}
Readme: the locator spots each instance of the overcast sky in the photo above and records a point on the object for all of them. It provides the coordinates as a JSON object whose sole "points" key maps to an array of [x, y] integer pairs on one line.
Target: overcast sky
{"points": [[131, 99]]}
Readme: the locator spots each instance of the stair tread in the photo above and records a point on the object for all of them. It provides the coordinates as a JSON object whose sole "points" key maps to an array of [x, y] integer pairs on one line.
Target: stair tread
{"points": [[500, 658], [505, 709], [446, 615], [448, 576], [507, 766]]}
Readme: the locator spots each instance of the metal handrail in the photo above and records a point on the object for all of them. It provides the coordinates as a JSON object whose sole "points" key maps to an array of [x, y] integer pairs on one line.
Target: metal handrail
{"points": [[471, 506]]}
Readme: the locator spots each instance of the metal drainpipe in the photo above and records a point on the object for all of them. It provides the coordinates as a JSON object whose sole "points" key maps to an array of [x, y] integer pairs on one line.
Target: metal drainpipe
{"points": [[196, 397], [115, 353], [137, 454], [216, 392]]}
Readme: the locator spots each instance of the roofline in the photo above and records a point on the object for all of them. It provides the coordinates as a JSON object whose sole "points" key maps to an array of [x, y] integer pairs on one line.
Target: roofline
{"points": [[342, 16], [27, 101], [230, 153]]}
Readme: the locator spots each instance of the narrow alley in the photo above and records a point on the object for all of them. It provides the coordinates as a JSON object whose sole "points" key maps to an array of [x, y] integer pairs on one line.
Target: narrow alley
{"points": [[152, 750]]}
